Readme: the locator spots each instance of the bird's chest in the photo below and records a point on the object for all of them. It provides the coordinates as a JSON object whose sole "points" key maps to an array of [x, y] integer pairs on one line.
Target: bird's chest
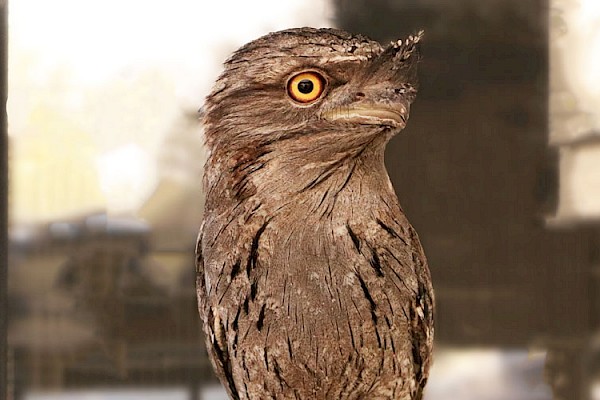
{"points": [[317, 261], [307, 263], [321, 293], [308, 273], [306, 293]]}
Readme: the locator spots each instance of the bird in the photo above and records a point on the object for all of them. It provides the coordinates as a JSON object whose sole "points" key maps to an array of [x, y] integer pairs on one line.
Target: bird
{"points": [[311, 282]]}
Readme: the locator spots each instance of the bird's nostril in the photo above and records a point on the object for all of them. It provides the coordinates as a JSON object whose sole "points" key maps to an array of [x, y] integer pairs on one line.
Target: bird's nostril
{"points": [[359, 95]]}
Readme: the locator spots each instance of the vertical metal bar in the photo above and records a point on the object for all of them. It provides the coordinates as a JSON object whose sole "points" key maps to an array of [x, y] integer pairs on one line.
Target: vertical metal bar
{"points": [[3, 200]]}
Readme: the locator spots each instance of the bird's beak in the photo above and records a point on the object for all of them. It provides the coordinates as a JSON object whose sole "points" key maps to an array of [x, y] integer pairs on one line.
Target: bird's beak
{"points": [[388, 86], [392, 115]]}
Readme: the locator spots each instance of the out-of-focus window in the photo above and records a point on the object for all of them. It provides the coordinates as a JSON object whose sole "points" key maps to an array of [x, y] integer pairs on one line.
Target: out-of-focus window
{"points": [[575, 106]]}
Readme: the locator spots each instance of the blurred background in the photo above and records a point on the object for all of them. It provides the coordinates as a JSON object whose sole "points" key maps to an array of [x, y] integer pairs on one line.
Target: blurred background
{"points": [[499, 171]]}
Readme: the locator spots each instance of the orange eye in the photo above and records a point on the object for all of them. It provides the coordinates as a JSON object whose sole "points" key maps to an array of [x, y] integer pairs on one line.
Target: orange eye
{"points": [[306, 87]]}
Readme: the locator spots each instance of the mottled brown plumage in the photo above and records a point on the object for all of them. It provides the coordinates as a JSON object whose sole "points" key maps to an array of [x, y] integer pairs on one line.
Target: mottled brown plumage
{"points": [[311, 282]]}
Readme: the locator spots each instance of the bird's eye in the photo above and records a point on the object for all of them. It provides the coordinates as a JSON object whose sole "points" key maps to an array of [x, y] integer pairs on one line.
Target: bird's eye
{"points": [[306, 87]]}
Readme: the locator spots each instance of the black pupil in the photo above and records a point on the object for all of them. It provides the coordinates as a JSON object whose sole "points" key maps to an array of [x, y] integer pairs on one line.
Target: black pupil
{"points": [[305, 86]]}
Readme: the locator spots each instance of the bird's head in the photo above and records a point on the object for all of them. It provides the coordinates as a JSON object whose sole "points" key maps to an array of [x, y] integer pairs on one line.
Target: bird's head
{"points": [[311, 96], [313, 81]]}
